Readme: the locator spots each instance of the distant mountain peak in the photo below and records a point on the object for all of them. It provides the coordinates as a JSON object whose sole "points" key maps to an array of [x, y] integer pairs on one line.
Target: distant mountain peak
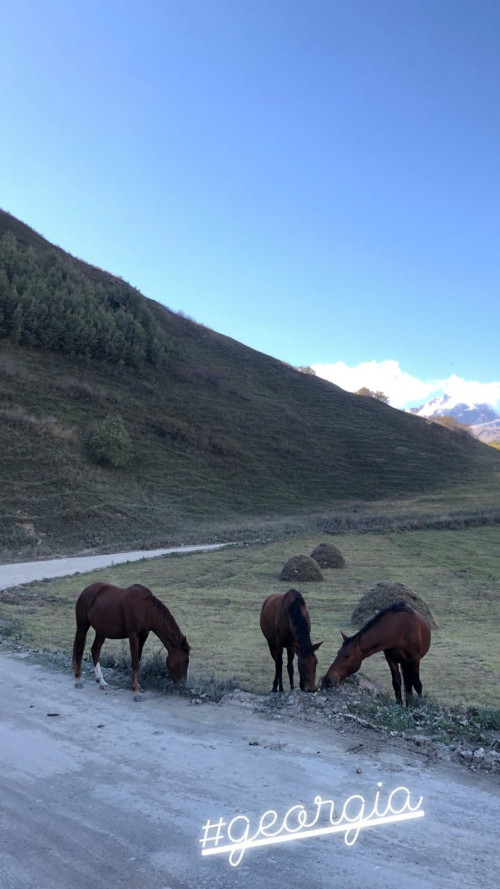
{"points": [[476, 416]]}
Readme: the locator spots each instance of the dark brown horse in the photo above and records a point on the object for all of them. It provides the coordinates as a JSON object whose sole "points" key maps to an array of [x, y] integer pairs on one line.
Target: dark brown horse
{"points": [[404, 636], [116, 613], [285, 623]]}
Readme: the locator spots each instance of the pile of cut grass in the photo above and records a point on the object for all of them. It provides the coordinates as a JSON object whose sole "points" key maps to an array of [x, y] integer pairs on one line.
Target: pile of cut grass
{"points": [[384, 594]]}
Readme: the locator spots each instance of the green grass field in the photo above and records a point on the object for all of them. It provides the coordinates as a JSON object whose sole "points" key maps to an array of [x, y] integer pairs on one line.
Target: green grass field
{"points": [[216, 599]]}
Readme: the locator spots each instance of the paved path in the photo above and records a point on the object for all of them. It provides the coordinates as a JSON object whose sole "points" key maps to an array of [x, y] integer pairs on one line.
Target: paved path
{"points": [[25, 572]]}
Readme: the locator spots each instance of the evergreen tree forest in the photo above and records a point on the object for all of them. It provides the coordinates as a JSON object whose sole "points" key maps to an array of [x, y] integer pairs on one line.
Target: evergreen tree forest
{"points": [[48, 303]]}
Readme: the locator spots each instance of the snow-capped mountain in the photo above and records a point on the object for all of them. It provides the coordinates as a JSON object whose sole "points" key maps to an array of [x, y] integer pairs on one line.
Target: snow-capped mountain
{"points": [[483, 420]]}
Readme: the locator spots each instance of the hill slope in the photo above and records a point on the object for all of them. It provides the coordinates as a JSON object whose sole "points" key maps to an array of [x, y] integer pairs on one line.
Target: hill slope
{"points": [[216, 429]]}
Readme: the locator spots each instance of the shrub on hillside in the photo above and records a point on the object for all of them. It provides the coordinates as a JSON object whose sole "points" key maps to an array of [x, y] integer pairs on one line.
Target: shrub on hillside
{"points": [[110, 444]]}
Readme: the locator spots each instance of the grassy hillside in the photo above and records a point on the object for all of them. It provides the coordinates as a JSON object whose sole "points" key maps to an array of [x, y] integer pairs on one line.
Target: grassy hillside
{"points": [[216, 433]]}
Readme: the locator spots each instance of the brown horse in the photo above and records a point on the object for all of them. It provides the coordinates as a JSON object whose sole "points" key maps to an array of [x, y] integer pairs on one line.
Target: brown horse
{"points": [[404, 636], [285, 623], [116, 613]]}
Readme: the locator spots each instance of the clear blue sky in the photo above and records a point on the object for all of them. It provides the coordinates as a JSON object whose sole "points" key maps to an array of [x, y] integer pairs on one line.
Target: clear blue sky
{"points": [[318, 179]]}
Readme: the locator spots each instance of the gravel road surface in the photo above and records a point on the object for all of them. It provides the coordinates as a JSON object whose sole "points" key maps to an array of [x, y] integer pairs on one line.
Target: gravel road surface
{"points": [[99, 791]]}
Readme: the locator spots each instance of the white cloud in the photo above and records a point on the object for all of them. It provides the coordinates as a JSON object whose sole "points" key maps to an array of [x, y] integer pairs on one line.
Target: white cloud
{"points": [[401, 388], [471, 391]]}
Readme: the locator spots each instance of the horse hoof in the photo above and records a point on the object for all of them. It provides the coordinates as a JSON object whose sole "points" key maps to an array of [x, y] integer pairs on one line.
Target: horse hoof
{"points": [[138, 698], [79, 684], [104, 687]]}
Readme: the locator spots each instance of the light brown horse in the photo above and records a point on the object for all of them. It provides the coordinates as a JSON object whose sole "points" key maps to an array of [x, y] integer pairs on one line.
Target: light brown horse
{"points": [[285, 623], [404, 636], [116, 613]]}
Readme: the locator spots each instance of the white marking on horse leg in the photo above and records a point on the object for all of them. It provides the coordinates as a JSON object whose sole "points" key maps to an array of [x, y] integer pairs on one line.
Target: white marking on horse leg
{"points": [[98, 675]]}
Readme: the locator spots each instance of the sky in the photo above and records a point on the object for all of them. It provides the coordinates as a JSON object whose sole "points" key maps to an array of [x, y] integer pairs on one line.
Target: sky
{"points": [[318, 179]]}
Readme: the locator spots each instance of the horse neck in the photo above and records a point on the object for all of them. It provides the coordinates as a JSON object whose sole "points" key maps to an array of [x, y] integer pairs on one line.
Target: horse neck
{"points": [[165, 627], [300, 629], [371, 641]]}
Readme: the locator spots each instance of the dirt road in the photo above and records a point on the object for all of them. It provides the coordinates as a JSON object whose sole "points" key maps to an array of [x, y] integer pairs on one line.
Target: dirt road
{"points": [[99, 791], [24, 572]]}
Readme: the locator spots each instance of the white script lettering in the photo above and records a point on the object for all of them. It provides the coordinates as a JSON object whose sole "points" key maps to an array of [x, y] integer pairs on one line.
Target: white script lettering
{"points": [[297, 823]]}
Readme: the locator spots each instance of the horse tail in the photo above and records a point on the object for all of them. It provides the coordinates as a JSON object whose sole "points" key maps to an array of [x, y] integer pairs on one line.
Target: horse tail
{"points": [[82, 627]]}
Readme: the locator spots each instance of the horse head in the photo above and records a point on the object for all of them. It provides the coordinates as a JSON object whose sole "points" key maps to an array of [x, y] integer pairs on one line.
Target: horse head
{"points": [[347, 662], [177, 662], [307, 663]]}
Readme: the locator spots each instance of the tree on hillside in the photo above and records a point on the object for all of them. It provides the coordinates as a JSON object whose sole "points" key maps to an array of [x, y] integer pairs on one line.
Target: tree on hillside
{"points": [[451, 423], [47, 302], [380, 396]]}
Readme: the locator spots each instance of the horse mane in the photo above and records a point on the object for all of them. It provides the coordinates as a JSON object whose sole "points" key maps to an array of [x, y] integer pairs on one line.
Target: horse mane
{"points": [[396, 607], [300, 624], [164, 613]]}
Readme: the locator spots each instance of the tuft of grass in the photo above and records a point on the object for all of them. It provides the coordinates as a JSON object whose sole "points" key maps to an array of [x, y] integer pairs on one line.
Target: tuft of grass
{"points": [[153, 675], [427, 718]]}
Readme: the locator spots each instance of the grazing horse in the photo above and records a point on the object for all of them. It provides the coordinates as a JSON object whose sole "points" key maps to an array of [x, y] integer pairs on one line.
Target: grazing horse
{"points": [[404, 636], [116, 613], [285, 623]]}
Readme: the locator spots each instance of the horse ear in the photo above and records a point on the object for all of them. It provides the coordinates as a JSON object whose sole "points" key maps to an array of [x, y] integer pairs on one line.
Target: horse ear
{"points": [[315, 647], [344, 637]]}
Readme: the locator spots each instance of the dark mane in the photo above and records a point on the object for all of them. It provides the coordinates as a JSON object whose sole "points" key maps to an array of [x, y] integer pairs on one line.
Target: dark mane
{"points": [[300, 624], [396, 606], [164, 612], [158, 604]]}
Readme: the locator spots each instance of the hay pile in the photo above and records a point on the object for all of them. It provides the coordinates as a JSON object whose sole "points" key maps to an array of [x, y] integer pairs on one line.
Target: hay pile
{"points": [[328, 556], [302, 568], [384, 594]]}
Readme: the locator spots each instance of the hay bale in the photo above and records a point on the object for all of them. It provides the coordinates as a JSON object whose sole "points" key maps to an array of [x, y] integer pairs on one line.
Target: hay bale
{"points": [[328, 556], [384, 594], [302, 568]]}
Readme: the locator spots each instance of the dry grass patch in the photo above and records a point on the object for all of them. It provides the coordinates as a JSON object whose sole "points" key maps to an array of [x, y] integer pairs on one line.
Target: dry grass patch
{"points": [[384, 594], [328, 556], [301, 569]]}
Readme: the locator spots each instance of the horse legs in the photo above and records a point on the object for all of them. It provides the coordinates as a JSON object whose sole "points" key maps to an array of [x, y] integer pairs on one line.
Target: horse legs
{"points": [[136, 647], [78, 648], [277, 656], [289, 666], [408, 677], [96, 651], [411, 673], [417, 685], [396, 676], [141, 639]]}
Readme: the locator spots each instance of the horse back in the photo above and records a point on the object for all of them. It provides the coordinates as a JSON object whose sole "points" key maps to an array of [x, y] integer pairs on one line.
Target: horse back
{"points": [[114, 612], [275, 618]]}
